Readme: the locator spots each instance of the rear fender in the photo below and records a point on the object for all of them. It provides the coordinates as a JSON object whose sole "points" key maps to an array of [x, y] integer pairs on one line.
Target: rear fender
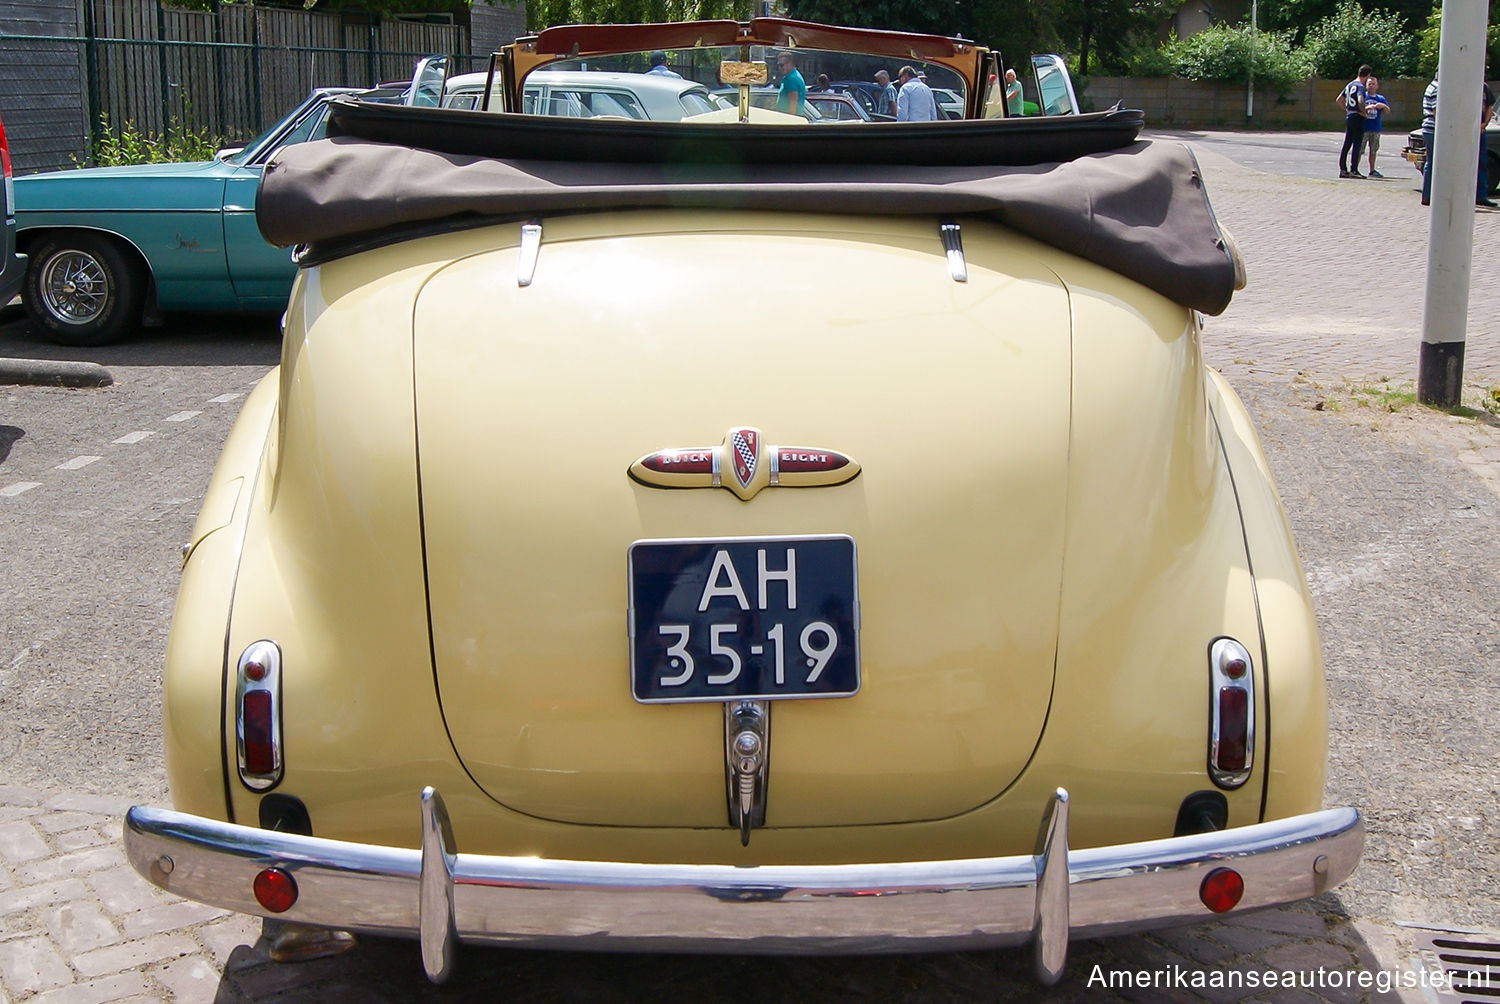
{"points": [[1296, 703], [193, 717]]}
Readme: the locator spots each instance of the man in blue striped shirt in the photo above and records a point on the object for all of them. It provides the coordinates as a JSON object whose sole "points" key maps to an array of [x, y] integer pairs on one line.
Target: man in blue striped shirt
{"points": [[1429, 132]]}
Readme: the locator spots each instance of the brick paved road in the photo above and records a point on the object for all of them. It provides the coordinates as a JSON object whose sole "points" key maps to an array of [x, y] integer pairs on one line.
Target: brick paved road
{"points": [[1386, 505]]}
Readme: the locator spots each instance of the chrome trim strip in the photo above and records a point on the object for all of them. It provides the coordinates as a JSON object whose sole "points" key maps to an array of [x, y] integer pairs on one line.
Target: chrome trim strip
{"points": [[437, 931], [783, 909], [1049, 931], [953, 246], [531, 246]]}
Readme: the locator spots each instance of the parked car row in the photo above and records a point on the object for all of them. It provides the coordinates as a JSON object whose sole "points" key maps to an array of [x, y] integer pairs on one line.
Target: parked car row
{"points": [[111, 247]]}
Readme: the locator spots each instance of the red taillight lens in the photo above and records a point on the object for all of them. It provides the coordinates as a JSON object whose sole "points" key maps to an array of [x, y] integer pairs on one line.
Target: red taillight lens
{"points": [[1221, 889], [1234, 728], [4, 153], [260, 744], [276, 890]]}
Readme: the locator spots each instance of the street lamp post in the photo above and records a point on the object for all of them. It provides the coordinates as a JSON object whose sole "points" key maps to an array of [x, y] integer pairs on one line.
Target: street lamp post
{"points": [[1250, 87], [1450, 224]]}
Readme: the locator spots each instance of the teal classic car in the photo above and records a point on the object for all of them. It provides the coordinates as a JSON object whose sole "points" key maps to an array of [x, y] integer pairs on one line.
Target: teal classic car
{"points": [[108, 246]]}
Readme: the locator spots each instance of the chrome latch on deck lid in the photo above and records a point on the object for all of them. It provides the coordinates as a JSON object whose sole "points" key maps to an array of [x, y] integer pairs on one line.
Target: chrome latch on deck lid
{"points": [[531, 246], [747, 757], [953, 246]]}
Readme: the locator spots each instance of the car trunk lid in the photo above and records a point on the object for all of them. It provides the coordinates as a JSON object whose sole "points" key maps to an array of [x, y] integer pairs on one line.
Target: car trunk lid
{"points": [[845, 335]]}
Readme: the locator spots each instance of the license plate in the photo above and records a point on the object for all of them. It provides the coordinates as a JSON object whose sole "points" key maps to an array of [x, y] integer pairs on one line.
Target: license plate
{"points": [[757, 618]]}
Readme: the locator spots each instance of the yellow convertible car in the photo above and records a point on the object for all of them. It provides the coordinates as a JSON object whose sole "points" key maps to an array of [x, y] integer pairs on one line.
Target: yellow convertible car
{"points": [[718, 535]]}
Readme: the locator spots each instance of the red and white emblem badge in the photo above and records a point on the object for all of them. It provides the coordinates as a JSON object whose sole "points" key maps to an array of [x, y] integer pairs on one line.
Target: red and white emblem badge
{"points": [[744, 451], [743, 465]]}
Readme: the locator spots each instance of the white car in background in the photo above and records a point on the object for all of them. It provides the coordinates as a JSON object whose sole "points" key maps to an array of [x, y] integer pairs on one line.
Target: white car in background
{"points": [[949, 102], [589, 94]]}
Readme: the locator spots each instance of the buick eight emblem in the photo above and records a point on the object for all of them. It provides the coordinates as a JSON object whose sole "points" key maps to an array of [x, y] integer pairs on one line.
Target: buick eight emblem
{"points": [[744, 464]]}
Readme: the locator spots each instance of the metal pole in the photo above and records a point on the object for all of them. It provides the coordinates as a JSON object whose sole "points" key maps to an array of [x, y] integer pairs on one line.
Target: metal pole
{"points": [[91, 68], [161, 68], [1450, 227], [254, 68], [1250, 88], [221, 127]]}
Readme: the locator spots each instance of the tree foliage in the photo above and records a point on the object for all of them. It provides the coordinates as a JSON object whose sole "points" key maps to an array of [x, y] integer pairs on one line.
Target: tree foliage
{"points": [[545, 13], [1227, 53], [1337, 45], [1299, 16], [1099, 31], [1429, 38], [1016, 30]]}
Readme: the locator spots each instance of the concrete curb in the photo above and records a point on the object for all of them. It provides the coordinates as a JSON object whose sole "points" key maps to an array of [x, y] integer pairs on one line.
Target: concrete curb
{"points": [[54, 372]]}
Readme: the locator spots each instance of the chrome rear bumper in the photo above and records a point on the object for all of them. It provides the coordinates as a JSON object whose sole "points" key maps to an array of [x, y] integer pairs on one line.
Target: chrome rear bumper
{"points": [[443, 897]]}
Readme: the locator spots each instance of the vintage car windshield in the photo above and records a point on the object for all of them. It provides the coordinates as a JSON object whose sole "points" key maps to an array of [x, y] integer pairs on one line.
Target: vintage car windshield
{"points": [[305, 122], [849, 73]]}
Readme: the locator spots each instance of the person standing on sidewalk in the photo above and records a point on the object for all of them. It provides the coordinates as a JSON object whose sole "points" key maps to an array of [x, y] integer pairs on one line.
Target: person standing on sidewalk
{"points": [[1375, 108], [1353, 99], [914, 101], [1429, 134], [792, 96], [1482, 192]]}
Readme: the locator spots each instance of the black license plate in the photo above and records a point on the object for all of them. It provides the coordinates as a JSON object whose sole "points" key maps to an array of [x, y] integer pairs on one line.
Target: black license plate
{"points": [[762, 618]]}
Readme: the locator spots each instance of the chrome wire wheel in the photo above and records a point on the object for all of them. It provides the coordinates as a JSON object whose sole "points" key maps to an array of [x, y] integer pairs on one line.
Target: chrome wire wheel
{"points": [[83, 288], [74, 287]]}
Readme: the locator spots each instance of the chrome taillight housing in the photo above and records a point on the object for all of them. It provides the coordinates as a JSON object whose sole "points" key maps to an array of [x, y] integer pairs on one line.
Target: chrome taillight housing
{"points": [[257, 716], [1231, 735]]}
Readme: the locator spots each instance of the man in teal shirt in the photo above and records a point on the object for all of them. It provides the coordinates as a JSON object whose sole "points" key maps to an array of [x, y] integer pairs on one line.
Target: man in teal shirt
{"points": [[792, 97]]}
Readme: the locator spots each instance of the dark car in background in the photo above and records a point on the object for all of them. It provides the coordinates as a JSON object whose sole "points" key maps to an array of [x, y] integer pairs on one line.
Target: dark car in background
{"points": [[12, 265], [841, 107], [1416, 153]]}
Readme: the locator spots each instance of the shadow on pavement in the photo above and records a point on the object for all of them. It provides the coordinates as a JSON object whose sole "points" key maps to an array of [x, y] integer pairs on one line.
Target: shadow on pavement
{"points": [[8, 436], [183, 340], [1323, 952]]}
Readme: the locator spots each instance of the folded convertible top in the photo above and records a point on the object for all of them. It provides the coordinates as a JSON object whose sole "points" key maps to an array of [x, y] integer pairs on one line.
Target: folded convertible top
{"points": [[1082, 183]]}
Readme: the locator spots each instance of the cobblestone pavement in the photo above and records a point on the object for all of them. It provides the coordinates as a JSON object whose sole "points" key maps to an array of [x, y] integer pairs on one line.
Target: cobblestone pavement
{"points": [[1396, 513]]}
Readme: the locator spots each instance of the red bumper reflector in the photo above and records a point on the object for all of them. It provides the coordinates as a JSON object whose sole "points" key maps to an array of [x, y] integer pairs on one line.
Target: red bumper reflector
{"points": [[277, 891], [1221, 889], [260, 750], [1234, 728]]}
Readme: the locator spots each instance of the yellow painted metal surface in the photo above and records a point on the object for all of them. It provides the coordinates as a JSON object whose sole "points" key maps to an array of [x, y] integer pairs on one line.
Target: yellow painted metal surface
{"points": [[530, 412], [1048, 530]]}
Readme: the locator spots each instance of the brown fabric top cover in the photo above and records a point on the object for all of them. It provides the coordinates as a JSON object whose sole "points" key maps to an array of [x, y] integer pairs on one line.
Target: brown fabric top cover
{"points": [[1140, 210]]}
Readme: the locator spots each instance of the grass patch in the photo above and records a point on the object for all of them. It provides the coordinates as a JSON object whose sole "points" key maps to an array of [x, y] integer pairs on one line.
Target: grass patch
{"points": [[1386, 396]]}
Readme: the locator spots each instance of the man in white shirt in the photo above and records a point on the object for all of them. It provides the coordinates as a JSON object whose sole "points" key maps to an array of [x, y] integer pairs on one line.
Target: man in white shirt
{"points": [[914, 101], [659, 66]]}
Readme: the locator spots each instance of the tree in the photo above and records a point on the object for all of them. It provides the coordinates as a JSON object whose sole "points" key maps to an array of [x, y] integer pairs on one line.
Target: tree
{"points": [[1016, 30], [1299, 16], [1103, 28], [1428, 38], [545, 13], [1352, 35]]}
